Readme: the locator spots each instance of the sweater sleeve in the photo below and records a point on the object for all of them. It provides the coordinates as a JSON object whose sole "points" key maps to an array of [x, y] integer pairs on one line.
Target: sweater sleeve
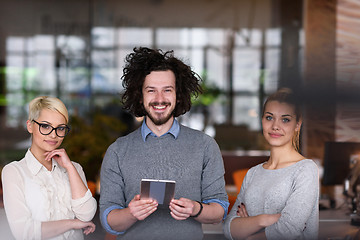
{"points": [[213, 183], [112, 187], [299, 205], [240, 199]]}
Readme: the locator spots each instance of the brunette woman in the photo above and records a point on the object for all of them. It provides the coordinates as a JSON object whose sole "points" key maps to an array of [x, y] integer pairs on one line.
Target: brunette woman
{"points": [[279, 198]]}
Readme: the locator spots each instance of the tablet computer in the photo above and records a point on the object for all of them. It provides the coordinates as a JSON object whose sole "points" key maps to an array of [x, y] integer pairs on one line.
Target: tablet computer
{"points": [[160, 190]]}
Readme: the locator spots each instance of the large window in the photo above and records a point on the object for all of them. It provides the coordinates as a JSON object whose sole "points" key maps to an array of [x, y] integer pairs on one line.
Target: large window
{"points": [[86, 73]]}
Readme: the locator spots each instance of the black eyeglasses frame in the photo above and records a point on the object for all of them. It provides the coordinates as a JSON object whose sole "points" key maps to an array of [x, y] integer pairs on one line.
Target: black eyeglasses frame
{"points": [[41, 124]]}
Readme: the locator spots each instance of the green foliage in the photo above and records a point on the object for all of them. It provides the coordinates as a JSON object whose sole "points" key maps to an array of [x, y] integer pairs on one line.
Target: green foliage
{"points": [[8, 155], [210, 93], [88, 142]]}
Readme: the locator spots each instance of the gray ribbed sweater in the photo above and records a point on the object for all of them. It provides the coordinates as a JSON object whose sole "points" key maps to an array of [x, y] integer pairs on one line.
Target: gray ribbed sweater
{"points": [[292, 191], [193, 160]]}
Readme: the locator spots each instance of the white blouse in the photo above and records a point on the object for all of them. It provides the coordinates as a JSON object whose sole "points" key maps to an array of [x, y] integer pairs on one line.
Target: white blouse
{"points": [[32, 195]]}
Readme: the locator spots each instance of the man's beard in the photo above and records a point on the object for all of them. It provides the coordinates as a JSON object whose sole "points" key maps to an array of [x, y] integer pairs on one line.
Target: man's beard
{"points": [[162, 120]]}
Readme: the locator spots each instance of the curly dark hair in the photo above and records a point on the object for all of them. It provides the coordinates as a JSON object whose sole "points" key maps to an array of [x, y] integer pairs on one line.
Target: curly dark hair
{"points": [[142, 62]]}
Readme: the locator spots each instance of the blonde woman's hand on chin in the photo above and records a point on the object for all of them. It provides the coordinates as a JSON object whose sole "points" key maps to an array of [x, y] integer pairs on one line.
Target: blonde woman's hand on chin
{"points": [[60, 156]]}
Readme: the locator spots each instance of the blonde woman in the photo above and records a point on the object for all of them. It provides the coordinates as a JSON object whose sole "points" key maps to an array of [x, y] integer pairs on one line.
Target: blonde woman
{"points": [[45, 194], [279, 198]]}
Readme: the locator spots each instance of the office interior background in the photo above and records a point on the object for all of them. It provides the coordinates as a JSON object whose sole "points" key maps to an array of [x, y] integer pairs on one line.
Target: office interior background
{"points": [[244, 50]]}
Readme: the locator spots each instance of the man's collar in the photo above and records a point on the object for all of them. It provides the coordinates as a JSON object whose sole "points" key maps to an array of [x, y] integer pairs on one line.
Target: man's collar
{"points": [[174, 130]]}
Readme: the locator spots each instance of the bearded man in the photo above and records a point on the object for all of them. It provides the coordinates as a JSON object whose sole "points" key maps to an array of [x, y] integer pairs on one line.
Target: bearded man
{"points": [[159, 87]]}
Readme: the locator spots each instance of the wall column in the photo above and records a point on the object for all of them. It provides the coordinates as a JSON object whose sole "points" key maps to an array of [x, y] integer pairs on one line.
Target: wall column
{"points": [[291, 23], [319, 76]]}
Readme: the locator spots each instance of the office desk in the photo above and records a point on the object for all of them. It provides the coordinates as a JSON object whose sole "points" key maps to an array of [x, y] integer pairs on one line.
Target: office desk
{"points": [[333, 224]]}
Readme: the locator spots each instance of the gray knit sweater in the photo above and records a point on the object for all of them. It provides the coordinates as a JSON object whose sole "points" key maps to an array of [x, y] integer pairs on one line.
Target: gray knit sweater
{"points": [[193, 160], [292, 191]]}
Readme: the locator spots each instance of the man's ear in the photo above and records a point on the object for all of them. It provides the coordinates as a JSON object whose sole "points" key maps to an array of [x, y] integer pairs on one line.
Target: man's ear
{"points": [[29, 126]]}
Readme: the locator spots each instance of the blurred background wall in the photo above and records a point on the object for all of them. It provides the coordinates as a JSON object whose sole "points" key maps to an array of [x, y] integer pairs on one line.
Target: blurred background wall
{"points": [[243, 49]]}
